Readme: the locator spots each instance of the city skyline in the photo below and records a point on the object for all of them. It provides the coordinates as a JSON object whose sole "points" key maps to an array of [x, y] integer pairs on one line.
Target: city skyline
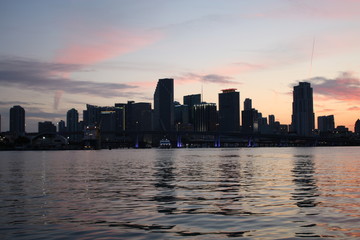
{"points": [[60, 55]]}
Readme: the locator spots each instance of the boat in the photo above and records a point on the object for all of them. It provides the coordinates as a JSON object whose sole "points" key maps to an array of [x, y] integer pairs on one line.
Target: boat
{"points": [[165, 143]]}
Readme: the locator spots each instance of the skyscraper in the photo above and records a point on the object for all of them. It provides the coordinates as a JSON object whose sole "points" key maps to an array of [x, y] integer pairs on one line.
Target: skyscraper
{"points": [[61, 127], [163, 105], [357, 126], [205, 117], [72, 123], [303, 113], [229, 110], [326, 124], [190, 101], [17, 120]]}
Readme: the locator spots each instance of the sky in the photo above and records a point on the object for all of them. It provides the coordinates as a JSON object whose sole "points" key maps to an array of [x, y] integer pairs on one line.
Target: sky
{"points": [[62, 54]]}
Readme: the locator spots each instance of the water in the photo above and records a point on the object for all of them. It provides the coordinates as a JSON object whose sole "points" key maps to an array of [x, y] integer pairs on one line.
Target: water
{"points": [[257, 193]]}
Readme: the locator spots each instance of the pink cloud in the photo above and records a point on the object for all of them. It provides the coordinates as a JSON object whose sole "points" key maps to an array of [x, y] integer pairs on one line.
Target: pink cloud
{"points": [[101, 45], [345, 87], [354, 108]]}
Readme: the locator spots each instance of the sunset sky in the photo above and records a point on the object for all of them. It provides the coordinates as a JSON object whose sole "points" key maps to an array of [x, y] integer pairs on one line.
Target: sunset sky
{"points": [[60, 54]]}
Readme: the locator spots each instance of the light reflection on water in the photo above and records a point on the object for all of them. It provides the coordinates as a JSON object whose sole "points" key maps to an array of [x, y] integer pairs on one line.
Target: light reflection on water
{"points": [[265, 193]]}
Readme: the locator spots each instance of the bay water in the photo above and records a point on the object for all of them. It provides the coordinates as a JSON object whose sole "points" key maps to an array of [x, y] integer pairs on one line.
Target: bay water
{"points": [[206, 193]]}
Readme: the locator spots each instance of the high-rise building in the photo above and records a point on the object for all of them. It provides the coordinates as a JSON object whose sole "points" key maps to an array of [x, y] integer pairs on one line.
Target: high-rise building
{"points": [[137, 115], [61, 127], [46, 127], [271, 120], [229, 110], [247, 104], [181, 113], [248, 117], [205, 117], [163, 105], [17, 120], [190, 101], [357, 126], [72, 123], [303, 113], [100, 115], [0, 123], [326, 124]]}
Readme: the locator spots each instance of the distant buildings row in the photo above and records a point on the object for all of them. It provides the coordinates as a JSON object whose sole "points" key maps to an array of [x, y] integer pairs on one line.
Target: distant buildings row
{"points": [[193, 115]]}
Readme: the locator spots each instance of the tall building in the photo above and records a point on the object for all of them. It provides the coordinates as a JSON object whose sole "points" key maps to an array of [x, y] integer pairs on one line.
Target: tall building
{"points": [[190, 101], [137, 115], [99, 116], [249, 117], [163, 105], [326, 124], [229, 110], [72, 123], [61, 127], [247, 104], [205, 117], [357, 126], [17, 120], [181, 114], [0, 123], [303, 121]]}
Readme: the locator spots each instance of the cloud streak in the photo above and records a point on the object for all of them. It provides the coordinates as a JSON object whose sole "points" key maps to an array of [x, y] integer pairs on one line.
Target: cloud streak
{"points": [[345, 87], [99, 45], [39, 76], [207, 78]]}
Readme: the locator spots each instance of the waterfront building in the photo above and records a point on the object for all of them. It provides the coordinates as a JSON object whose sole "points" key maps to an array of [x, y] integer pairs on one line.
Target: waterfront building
{"points": [[46, 127], [326, 124], [17, 120], [229, 110], [205, 117], [190, 101], [357, 126], [138, 116], [72, 123], [61, 127], [302, 110], [249, 117], [181, 114], [163, 105], [100, 116], [247, 104]]}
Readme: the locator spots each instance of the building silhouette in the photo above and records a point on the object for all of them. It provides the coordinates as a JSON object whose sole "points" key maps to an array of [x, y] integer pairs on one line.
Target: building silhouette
{"points": [[138, 116], [248, 117], [72, 123], [163, 105], [17, 120], [229, 110], [46, 127], [326, 124], [357, 126], [303, 113], [190, 101], [205, 117], [61, 127]]}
